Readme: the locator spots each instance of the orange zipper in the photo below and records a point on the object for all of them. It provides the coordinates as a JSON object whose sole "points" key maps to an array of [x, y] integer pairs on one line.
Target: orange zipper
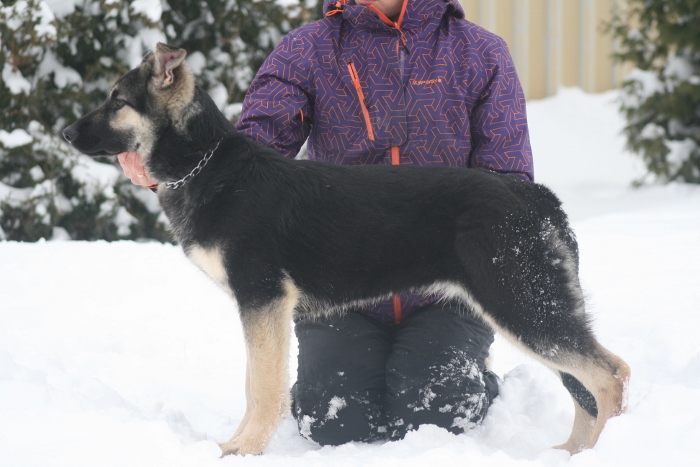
{"points": [[386, 20], [397, 309], [361, 95], [395, 156], [398, 312], [396, 25]]}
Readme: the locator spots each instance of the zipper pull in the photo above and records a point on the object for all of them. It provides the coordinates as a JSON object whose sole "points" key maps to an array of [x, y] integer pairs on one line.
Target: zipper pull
{"points": [[403, 39]]}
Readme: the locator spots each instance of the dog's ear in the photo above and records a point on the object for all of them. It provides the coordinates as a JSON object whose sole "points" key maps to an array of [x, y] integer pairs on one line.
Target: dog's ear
{"points": [[167, 59]]}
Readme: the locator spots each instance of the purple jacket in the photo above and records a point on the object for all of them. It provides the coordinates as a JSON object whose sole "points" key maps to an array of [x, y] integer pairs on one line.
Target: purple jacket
{"points": [[430, 89]]}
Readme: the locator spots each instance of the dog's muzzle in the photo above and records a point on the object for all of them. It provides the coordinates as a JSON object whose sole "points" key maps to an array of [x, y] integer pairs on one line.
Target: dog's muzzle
{"points": [[87, 144]]}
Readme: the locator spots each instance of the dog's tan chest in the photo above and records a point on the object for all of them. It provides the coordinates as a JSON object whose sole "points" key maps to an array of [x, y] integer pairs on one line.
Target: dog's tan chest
{"points": [[211, 262]]}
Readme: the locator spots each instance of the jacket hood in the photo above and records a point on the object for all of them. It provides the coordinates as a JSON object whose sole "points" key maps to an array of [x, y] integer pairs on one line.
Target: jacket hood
{"points": [[416, 13]]}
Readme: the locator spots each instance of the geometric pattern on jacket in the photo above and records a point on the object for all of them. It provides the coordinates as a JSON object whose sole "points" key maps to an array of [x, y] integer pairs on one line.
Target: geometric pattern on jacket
{"points": [[453, 99]]}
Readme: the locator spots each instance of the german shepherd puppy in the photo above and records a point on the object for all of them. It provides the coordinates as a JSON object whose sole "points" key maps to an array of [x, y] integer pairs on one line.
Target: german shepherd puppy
{"points": [[286, 237]]}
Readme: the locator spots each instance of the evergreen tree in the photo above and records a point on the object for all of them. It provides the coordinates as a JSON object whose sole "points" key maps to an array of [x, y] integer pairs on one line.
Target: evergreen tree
{"points": [[59, 61], [661, 97]]}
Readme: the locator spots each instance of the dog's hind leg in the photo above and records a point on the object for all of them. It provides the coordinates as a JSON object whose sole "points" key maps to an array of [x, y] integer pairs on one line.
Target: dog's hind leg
{"points": [[267, 332], [582, 431], [529, 291], [596, 378], [585, 412], [605, 377]]}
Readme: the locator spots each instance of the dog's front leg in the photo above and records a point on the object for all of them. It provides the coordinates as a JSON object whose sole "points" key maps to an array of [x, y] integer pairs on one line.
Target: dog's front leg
{"points": [[267, 333], [248, 399]]}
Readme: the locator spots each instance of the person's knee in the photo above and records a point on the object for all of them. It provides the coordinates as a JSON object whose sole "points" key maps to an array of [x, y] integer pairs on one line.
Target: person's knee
{"points": [[331, 420], [455, 413], [340, 380], [453, 396], [436, 372]]}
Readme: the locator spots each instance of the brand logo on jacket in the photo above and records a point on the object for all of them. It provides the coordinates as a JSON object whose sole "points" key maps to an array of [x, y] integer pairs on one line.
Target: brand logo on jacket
{"points": [[426, 82]]}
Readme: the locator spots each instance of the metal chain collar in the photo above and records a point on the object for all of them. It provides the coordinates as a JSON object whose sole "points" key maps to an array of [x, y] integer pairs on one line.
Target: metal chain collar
{"points": [[195, 171]]}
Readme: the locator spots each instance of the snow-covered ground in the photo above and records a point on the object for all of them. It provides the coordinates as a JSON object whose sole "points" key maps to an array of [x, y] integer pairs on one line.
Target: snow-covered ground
{"points": [[124, 354]]}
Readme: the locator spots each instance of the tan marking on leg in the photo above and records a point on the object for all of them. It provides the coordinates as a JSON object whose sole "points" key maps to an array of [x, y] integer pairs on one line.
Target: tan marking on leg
{"points": [[211, 261], [249, 404], [611, 395], [606, 376], [581, 432], [267, 333]]}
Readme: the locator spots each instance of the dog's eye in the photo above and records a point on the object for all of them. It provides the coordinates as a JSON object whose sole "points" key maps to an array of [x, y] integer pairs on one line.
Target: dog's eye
{"points": [[118, 103]]}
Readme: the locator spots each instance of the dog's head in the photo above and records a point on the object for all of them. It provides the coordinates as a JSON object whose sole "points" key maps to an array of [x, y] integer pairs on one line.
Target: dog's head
{"points": [[148, 98]]}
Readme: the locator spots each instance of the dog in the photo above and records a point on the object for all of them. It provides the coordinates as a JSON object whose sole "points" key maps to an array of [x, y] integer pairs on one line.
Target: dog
{"points": [[288, 238]]}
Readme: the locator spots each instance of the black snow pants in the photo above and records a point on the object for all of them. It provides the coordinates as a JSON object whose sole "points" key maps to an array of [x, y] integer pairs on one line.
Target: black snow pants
{"points": [[361, 380]]}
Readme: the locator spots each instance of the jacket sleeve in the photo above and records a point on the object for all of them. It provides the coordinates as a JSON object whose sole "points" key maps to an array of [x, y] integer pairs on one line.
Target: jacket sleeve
{"points": [[276, 110], [500, 137]]}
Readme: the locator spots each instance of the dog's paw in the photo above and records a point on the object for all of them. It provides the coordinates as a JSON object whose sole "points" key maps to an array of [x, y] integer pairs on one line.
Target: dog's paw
{"points": [[572, 447], [240, 446]]}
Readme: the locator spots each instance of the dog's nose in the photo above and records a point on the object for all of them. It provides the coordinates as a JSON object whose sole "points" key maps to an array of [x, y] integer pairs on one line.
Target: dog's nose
{"points": [[70, 134]]}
